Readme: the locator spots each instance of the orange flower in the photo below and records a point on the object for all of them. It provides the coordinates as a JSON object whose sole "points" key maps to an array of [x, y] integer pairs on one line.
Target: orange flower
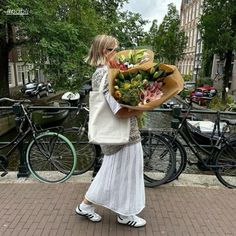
{"points": [[117, 94]]}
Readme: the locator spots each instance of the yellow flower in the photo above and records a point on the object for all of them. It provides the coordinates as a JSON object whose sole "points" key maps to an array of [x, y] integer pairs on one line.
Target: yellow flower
{"points": [[126, 85]]}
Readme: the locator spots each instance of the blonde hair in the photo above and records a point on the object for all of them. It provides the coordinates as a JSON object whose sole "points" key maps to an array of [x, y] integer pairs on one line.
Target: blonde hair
{"points": [[96, 56]]}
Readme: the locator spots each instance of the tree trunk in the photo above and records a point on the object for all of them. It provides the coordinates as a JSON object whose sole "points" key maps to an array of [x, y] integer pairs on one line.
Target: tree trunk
{"points": [[227, 74], [4, 87]]}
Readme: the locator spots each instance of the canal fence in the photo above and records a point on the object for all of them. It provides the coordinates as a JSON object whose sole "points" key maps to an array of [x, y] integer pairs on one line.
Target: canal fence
{"points": [[158, 120]]}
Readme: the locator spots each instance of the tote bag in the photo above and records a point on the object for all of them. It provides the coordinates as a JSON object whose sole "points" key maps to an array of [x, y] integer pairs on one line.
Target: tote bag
{"points": [[104, 127]]}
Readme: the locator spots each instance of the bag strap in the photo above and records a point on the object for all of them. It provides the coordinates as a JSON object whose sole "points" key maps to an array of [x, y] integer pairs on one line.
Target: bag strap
{"points": [[102, 82]]}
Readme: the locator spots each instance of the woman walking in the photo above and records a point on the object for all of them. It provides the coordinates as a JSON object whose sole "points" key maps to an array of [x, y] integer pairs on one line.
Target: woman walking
{"points": [[119, 184]]}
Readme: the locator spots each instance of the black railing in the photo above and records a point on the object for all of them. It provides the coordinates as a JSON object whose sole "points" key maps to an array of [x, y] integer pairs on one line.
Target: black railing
{"points": [[22, 169]]}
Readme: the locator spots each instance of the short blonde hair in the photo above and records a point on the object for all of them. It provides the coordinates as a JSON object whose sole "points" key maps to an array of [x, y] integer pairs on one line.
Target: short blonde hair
{"points": [[100, 43]]}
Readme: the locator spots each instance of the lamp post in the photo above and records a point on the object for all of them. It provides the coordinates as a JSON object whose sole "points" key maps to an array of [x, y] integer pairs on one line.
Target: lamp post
{"points": [[195, 80]]}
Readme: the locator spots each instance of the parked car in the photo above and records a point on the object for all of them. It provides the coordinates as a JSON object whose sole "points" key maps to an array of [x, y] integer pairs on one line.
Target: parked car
{"points": [[34, 89], [171, 103], [202, 95]]}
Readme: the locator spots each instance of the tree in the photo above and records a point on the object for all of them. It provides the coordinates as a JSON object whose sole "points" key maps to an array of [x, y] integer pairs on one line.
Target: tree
{"points": [[55, 35], [169, 41], [129, 29], [218, 30]]}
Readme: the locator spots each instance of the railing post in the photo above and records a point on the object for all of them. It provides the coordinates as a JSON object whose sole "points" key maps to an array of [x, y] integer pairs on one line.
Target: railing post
{"points": [[176, 112], [23, 170]]}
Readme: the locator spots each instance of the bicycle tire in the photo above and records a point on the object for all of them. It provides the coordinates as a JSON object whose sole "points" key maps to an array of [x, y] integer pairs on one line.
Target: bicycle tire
{"points": [[180, 155], [85, 151], [159, 159], [51, 158], [226, 158]]}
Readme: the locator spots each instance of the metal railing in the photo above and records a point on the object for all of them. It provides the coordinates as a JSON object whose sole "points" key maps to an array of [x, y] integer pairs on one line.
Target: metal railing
{"points": [[22, 169]]}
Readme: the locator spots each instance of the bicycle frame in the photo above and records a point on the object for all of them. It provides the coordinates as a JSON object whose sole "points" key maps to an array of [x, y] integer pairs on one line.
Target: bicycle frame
{"points": [[184, 131], [23, 118]]}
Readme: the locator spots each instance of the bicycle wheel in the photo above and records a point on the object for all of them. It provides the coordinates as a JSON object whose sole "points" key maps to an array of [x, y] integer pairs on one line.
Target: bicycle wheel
{"points": [[180, 155], [85, 151], [159, 159], [226, 160], [51, 158]]}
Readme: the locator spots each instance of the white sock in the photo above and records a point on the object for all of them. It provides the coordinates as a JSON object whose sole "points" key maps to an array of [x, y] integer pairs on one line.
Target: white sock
{"points": [[84, 206], [123, 217]]}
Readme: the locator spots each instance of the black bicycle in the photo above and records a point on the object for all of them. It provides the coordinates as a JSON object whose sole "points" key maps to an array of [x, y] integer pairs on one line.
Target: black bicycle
{"points": [[87, 153], [50, 157], [215, 151], [159, 159]]}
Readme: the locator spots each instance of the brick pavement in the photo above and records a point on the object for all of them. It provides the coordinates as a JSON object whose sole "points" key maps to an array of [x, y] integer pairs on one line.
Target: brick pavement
{"points": [[42, 209]]}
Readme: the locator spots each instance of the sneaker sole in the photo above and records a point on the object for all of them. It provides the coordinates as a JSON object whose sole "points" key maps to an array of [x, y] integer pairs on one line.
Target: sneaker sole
{"points": [[130, 225]]}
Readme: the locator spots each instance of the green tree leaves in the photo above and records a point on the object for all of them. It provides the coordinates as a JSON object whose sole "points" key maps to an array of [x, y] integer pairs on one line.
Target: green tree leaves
{"points": [[218, 30], [168, 41], [55, 35]]}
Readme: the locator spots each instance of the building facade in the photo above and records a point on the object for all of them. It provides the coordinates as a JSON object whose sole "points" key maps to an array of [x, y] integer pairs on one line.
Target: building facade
{"points": [[190, 65], [190, 13], [19, 72]]}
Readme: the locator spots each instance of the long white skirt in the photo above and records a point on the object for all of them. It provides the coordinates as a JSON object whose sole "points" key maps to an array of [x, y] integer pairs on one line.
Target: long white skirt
{"points": [[119, 184]]}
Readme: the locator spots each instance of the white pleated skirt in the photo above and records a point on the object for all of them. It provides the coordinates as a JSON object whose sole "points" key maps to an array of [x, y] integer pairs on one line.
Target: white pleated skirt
{"points": [[119, 184]]}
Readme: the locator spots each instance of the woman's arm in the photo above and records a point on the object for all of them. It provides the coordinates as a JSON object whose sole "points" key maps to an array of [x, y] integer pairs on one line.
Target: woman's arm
{"points": [[127, 113]]}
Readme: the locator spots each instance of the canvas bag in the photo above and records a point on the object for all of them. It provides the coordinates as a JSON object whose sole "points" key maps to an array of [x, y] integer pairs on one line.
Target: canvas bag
{"points": [[104, 127]]}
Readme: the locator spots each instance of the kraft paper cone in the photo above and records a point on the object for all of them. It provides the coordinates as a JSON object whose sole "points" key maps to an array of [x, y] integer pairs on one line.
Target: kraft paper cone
{"points": [[173, 84]]}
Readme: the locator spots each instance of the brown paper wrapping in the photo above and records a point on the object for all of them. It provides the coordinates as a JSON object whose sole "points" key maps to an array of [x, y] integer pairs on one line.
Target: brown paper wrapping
{"points": [[173, 84]]}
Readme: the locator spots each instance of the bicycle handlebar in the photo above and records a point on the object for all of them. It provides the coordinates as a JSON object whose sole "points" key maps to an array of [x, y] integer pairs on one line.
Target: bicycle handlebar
{"points": [[82, 106]]}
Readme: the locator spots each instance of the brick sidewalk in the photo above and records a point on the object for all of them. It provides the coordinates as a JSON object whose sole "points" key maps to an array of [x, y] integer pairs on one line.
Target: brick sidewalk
{"points": [[41, 209]]}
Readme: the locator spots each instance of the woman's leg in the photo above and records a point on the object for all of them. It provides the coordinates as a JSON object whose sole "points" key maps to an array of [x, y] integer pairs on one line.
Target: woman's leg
{"points": [[85, 201]]}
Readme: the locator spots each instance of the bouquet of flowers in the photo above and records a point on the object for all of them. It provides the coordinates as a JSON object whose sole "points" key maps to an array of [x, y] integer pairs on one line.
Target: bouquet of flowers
{"points": [[131, 60], [144, 85]]}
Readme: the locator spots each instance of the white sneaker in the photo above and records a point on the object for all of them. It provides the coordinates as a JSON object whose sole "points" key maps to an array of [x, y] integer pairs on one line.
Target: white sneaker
{"points": [[133, 221], [88, 212]]}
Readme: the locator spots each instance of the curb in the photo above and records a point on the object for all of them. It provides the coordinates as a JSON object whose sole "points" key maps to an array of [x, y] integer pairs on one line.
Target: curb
{"points": [[188, 180]]}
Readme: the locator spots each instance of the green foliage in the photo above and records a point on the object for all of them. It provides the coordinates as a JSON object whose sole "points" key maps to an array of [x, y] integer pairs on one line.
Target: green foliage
{"points": [[55, 35], [217, 104], [187, 77], [218, 30], [168, 40], [203, 81], [207, 59], [129, 29], [218, 25], [184, 93]]}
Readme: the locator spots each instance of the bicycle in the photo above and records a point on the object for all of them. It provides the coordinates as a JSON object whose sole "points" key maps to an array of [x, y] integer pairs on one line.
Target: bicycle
{"points": [[159, 160], [219, 154], [87, 153], [50, 157]]}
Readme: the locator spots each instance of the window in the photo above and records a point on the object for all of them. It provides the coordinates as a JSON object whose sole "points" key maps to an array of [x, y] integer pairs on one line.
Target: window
{"points": [[19, 73], [9, 75], [18, 51]]}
